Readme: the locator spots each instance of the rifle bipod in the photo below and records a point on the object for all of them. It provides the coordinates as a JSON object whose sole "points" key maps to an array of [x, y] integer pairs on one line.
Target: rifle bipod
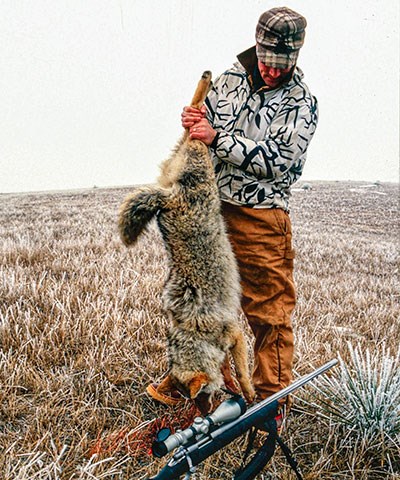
{"points": [[265, 453]]}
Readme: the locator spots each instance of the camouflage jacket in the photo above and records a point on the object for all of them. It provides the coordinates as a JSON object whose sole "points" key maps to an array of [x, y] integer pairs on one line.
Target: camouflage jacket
{"points": [[262, 137]]}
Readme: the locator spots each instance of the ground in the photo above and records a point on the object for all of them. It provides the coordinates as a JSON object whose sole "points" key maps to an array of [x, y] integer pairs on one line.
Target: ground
{"points": [[82, 330]]}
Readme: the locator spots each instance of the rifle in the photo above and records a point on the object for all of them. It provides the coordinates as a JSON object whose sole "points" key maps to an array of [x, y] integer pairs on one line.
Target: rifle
{"points": [[228, 422]]}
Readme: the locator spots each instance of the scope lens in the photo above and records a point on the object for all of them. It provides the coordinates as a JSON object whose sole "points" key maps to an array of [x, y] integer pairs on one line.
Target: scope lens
{"points": [[163, 434], [159, 449]]}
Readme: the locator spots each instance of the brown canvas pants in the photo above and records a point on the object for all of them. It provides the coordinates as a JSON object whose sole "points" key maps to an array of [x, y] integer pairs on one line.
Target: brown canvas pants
{"points": [[262, 243]]}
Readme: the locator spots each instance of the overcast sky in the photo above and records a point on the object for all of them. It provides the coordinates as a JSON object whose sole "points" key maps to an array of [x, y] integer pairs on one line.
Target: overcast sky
{"points": [[91, 90]]}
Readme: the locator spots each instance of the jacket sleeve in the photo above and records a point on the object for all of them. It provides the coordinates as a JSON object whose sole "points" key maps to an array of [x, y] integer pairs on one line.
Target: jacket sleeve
{"points": [[285, 142]]}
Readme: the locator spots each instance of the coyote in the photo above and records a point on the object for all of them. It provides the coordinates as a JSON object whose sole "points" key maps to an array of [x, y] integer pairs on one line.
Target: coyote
{"points": [[202, 293]]}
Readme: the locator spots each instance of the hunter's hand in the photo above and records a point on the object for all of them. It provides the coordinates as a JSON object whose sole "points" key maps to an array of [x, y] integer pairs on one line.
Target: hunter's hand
{"points": [[191, 115], [199, 128], [203, 131]]}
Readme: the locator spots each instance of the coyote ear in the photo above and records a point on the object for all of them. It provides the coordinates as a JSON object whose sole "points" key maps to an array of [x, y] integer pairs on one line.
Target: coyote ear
{"points": [[137, 210], [197, 383], [166, 385]]}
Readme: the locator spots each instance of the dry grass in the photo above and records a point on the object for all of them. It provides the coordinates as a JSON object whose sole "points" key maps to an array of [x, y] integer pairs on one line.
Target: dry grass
{"points": [[82, 330]]}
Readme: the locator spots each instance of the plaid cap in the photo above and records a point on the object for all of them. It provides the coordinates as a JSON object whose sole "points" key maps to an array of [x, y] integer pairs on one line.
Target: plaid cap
{"points": [[280, 34]]}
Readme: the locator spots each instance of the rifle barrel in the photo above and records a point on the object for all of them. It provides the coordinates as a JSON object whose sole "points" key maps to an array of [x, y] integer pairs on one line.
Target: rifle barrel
{"points": [[279, 395], [292, 387]]}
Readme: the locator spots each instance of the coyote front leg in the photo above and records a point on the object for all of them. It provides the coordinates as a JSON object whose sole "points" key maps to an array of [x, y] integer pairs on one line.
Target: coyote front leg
{"points": [[240, 360]]}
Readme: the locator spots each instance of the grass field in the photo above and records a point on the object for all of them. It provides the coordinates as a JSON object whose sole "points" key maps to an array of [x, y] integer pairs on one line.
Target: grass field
{"points": [[82, 333]]}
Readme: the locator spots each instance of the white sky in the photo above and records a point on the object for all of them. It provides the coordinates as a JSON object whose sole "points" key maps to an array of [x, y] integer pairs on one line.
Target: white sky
{"points": [[91, 90]]}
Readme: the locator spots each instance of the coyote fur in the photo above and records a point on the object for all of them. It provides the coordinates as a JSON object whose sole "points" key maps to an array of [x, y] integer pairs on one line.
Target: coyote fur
{"points": [[202, 293]]}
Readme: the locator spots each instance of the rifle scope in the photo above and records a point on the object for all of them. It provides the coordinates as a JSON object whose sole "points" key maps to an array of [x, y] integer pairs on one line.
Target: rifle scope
{"points": [[228, 410]]}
